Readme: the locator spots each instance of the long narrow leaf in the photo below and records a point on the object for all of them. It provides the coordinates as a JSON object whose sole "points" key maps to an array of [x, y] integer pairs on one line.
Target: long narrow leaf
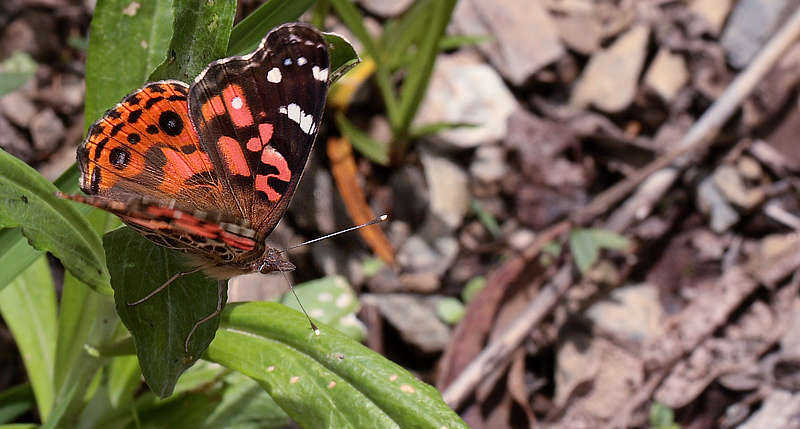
{"points": [[200, 36], [419, 74], [248, 33], [28, 306], [28, 200], [352, 18], [129, 39]]}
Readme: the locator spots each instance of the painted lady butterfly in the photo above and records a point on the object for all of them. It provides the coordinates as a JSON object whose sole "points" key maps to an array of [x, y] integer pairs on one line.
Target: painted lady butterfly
{"points": [[208, 169]]}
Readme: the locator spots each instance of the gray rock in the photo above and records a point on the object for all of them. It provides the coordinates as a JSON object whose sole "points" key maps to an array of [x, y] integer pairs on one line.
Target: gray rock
{"points": [[18, 108], [610, 80], [448, 187], [489, 164], [713, 12], [465, 90], [47, 131], [631, 314], [751, 24], [667, 74], [13, 142], [414, 318], [386, 8], [523, 36], [711, 202]]}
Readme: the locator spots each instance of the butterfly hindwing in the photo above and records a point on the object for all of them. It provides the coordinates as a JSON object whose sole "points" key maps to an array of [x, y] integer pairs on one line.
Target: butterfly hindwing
{"points": [[257, 117]]}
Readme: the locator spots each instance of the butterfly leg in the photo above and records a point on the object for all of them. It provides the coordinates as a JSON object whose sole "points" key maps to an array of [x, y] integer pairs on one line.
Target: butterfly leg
{"points": [[160, 288], [221, 291]]}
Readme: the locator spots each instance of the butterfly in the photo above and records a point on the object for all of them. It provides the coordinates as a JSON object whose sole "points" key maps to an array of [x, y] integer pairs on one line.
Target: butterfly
{"points": [[208, 169]]}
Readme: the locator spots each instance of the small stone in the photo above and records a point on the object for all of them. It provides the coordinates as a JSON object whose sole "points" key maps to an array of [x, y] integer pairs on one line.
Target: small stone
{"points": [[448, 185], [520, 239], [423, 283], [18, 108], [631, 314], [667, 74], [732, 186], [610, 80], [417, 255], [464, 90], [386, 8], [47, 131], [13, 142], [581, 32], [750, 25], [710, 201], [713, 12], [489, 164], [523, 37], [414, 318], [749, 168]]}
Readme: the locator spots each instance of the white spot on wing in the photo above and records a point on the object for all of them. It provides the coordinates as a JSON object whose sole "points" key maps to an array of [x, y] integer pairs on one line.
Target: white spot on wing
{"points": [[302, 61], [296, 114], [287, 62], [320, 74], [237, 103], [274, 75]]}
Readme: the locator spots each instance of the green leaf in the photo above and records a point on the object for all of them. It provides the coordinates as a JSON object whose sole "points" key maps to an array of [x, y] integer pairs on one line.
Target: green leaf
{"points": [[200, 35], [419, 73], [248, 33], [14, 402], [584, 249], [129, 39], [28, 306], [606, 239], [343, 55], [245, 404], [332, 301], [486, 219], [473, 286], [351, 17], [15, 71], [162, 324], [436, 127], [327, 380], [15, 255], [450, 310], [28, 200], [362, 142], [662, 417]]}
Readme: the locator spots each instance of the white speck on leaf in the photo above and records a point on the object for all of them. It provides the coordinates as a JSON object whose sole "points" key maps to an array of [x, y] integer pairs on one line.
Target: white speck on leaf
{"points": [[131, 9]]}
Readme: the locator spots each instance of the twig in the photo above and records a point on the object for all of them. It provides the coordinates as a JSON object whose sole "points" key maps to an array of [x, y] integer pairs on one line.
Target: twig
{"points": [[705, 130], [498, 352]]}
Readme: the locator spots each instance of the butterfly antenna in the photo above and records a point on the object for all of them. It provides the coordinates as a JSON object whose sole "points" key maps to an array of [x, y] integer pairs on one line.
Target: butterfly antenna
{"points": [[352, 228], [291, 287], [313, 326]]}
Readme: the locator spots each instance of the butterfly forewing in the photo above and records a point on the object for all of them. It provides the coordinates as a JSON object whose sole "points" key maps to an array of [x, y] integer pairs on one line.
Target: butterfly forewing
{"points": [[146, 147], [258, 115]]}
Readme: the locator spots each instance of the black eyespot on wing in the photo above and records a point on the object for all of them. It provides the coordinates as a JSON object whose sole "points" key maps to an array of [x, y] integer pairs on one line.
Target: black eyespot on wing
{"points": [[170, 122], [134, 138], [119, 158]]}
